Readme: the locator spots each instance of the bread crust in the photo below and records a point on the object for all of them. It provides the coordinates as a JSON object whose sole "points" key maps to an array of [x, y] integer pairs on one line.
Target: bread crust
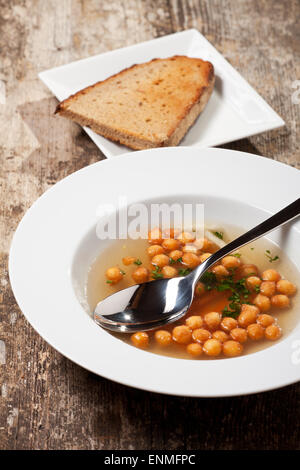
{"points": [[131, 139]]}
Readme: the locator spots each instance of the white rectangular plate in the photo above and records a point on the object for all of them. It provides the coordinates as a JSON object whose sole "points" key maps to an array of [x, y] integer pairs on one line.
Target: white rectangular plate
{"points": [[235, 110]]}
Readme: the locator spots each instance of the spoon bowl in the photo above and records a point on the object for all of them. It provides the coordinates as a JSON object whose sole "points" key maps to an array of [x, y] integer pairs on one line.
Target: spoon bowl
{"points": [[137, 306]]}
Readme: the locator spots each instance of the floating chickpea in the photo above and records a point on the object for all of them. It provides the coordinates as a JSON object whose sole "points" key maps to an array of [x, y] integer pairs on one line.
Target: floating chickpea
{"points": [[247, 270], [232, 348], [262, 302], [205, 245], [114, 274], [194, 322], [228, 323], [186, 237], [201, 335], [163, 337], [176, 254], [194, 349], [190, 260], [154, 250], [171, 244], [212, 347], [248, 315], [155, 236], [253, 282], [286, 287], [169, 271], [272, 332], [280, 301], [268, 288], [200, 288], [212, 320], [141, 274], [239, 334], [140, 339], [220, 271], [265, 320], [255, 331], [128, 260], [231, 262], [220, 336], [160, 260], [271, 275], [204, 257], [182, 334]]}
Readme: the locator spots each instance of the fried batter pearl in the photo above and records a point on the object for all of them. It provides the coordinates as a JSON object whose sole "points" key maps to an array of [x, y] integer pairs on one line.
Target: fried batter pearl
{"points": [[239, 334], [272, 332], [265, 320], [114, 274], [163, 337], [280, 301], [248, 315], [232, 348], [286, 287], [212, 320], [182, 334], [255, 331], [212, 347], [194, 349], [220, 336], [228, 323], [262, 302], [140, 339], [201, 335], [194, 322]]}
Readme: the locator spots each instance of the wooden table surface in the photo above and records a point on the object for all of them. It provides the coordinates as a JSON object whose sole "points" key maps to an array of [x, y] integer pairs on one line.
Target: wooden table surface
{"points": [[46, 401]]}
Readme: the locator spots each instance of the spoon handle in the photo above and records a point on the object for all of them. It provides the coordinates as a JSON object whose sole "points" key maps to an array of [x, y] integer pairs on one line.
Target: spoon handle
{"points": [[275, 221]]}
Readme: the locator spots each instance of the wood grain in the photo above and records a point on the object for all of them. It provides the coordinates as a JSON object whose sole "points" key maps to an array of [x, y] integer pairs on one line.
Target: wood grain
{"points": [[46, 401]]}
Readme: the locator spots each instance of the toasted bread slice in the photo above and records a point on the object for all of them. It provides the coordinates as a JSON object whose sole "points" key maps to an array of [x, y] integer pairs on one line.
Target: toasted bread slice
{"points": [[147, 105]]}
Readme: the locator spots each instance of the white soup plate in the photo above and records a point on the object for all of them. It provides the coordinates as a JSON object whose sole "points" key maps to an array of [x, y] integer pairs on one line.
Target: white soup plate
{"points": [[56, 242]]}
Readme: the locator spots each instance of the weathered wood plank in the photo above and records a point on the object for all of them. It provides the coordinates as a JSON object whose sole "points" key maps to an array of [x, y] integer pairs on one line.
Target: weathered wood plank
{"points": [[47, 402]]}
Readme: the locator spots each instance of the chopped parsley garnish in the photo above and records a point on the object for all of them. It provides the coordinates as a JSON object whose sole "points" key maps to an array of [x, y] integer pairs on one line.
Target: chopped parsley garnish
{"points": [[184, 272], [237, 255], [239, 292], [270, 257], [108, 281], [138, 262], [257, 289], [252, 248], [156, 274], [122, 272], [219, 235], [240, 295], [209, 280], [233, 311], [173, 261]]}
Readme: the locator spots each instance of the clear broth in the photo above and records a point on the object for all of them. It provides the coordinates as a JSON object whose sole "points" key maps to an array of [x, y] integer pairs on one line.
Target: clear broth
{"points": [[97, 288]]}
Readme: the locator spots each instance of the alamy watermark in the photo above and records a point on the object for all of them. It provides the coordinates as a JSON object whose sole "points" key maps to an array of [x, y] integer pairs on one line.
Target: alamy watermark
{"points": [[295, 356], [296, 95], [2, 92], [123, 220]]}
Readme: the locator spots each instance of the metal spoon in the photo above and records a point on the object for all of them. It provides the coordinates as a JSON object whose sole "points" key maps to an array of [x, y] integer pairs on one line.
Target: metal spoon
{"points": [[155, 303]]}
